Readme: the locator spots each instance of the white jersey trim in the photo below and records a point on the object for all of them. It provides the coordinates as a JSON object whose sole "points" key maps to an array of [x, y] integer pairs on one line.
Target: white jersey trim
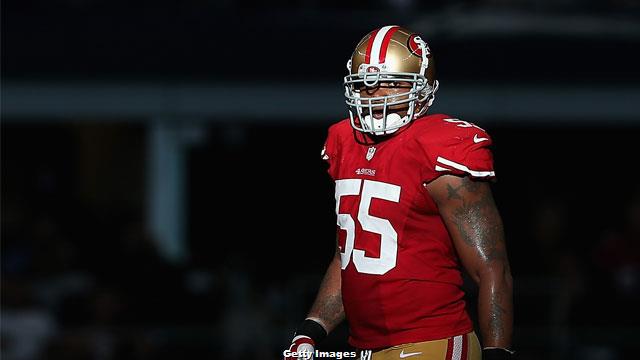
{"points": [[464, 168]]}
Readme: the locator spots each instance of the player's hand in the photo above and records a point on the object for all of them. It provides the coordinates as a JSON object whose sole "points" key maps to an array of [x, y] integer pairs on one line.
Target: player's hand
{"points": [[308, 334], [497, 354], [302, 348]]}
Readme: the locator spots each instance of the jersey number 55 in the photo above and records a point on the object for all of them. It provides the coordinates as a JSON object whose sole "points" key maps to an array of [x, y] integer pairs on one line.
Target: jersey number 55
{"points": [[388, 235]]}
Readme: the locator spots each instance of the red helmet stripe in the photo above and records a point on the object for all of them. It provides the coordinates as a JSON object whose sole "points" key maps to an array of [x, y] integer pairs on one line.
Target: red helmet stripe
{"points": [[367, 56], [385, 44]]}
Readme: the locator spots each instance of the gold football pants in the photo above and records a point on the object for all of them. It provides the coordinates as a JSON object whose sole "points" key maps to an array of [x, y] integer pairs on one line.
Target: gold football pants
{"points": [[461, 347]]}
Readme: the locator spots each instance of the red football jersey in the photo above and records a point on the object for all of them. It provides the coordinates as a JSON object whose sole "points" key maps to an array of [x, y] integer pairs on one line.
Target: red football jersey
{"points": [[401, 276]]}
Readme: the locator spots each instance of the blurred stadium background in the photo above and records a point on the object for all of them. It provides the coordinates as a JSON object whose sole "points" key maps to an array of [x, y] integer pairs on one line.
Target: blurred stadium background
{"points": [[163, 195]]}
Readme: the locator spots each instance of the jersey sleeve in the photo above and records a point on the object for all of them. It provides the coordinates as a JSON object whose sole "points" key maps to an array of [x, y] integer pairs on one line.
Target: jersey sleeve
{"points": [[459, 148], [330, 151]]}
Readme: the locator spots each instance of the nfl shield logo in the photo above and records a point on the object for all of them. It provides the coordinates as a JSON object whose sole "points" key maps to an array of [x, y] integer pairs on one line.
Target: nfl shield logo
{"points": [[370, 153]]}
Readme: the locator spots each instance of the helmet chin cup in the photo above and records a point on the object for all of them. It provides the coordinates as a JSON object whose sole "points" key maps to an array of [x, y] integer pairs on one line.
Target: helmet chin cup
{"points": [[386, 125]]}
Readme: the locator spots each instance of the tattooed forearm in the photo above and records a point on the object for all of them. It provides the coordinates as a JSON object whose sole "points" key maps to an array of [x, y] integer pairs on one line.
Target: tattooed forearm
{"points": [[497, 315], [476, 218], [495, 310], [330, 310], [471, 216]]}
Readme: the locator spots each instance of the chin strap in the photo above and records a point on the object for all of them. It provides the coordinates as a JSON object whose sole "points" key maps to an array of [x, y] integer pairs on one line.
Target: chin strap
{"points": [[428, 101], [432, 96]]}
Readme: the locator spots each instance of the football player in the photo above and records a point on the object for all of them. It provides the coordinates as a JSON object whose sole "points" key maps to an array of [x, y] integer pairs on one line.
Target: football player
{"points": [[414, 207]]}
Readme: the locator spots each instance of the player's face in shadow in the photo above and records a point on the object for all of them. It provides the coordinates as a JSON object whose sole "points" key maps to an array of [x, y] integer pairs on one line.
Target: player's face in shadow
{"points": [[387, 88]]}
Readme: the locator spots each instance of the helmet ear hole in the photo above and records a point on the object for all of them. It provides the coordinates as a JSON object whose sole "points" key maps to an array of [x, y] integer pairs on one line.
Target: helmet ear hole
{"points": [[424, 94]]}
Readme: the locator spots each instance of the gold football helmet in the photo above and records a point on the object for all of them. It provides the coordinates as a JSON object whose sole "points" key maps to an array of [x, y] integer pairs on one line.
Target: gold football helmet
{"points": [[390, 55]]}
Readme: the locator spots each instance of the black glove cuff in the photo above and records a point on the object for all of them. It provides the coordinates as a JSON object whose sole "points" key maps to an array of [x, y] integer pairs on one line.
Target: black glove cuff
{"points": [[313, 330], [497, 354]]}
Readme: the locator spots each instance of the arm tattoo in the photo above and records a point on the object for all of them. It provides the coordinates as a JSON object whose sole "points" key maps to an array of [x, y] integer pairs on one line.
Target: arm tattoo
{"points": [[453, 192], [496, 315], [332, 311], [471, 215], [327, 306], [477, 219]]}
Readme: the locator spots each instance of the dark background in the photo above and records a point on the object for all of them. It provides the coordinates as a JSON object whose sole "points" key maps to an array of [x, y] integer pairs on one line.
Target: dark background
{"points": [[88, 88]]}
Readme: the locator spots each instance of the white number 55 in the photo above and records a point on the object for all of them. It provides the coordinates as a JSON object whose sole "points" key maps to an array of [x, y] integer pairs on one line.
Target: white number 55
{"points": [[388, 235]]}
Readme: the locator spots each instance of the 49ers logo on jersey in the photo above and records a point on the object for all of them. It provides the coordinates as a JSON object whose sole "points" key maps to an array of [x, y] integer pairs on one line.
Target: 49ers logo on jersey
{"points": [[414, 43]]}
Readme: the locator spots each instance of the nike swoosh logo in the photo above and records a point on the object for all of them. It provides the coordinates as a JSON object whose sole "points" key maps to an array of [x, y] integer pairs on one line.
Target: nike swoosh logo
{"points": [[403, 355], [477, 139]]}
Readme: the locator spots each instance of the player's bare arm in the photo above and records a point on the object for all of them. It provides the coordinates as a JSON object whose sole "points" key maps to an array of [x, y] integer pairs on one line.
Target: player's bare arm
{"points": [[327, 309], [326, 313], [470, 214]]}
